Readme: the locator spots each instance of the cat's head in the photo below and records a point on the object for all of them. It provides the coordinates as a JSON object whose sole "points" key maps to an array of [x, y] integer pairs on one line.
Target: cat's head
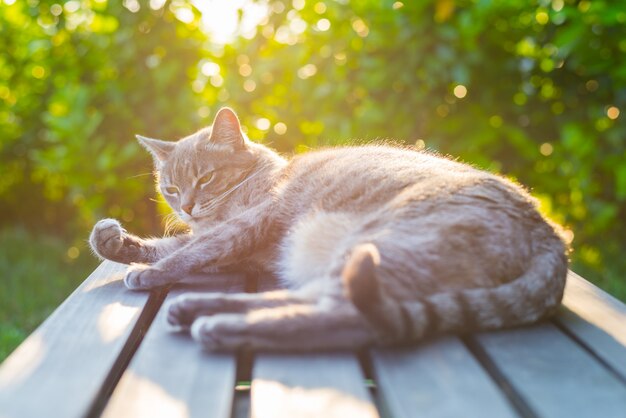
{"points": [[195, 172]]}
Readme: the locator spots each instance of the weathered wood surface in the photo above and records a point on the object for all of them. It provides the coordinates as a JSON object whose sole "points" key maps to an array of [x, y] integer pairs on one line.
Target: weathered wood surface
{"points": [[309, 385], [171, 376], [440, 378], [573, 366], [597, 320], [61, 368], [554, 375]]}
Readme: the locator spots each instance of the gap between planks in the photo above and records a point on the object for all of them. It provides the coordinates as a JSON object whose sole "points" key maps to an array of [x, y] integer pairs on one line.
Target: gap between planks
{"points": [[148, 313]]}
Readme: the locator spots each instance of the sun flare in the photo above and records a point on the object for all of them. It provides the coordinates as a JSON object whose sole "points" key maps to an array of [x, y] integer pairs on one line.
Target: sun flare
{"points": [[223, 20]]}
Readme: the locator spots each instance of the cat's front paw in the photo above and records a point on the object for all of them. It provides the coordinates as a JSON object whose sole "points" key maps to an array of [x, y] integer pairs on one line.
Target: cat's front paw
{"points": [[107, 238], [142, 276]]}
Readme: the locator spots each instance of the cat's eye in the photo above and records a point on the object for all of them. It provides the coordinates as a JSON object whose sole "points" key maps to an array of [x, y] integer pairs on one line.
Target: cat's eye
{"points": [[205, 179], [171, 190]]}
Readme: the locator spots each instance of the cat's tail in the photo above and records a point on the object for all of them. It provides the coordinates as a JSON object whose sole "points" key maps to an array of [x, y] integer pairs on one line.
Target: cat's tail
{"points": [[532, 296]]}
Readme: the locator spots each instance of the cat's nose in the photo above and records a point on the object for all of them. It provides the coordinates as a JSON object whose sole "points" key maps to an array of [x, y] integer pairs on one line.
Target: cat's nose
{"points": [[188, 207]]}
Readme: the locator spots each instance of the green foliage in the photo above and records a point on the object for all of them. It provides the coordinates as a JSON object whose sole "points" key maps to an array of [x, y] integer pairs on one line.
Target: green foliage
{"points": [[77, 81], [529, 89], [38, 273]]}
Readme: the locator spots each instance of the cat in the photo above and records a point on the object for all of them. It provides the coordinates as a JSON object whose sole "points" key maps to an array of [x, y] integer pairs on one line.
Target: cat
{"points": [[374, 244]]}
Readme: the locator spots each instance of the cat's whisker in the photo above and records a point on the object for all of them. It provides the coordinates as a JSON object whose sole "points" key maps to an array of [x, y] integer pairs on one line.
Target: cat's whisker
{"points": [[139, 175]]}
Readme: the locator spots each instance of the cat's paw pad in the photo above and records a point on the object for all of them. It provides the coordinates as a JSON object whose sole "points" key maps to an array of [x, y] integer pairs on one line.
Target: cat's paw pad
{"points": [[107, 238], [142, 276], [220, 332]]}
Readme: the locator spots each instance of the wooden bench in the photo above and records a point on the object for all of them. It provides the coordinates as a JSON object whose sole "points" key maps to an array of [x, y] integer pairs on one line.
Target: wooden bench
{"points": [[106, 352]]}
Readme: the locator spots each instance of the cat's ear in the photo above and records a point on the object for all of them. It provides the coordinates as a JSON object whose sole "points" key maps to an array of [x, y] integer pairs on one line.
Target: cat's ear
{"points": [[159, 149], [226, 129]]}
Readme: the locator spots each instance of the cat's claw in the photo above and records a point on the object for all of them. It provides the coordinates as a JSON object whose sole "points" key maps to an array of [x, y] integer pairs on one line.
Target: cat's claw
{"points": [[143, 276]]}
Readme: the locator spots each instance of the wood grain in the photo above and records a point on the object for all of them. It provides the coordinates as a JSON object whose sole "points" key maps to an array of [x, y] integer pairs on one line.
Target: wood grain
{"points": [[171, 376], [597, 319], [61, 367], [553, 374], [439, 378], [309, 385]]}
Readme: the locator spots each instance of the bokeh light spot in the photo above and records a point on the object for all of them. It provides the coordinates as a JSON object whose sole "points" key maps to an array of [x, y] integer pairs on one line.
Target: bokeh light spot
{"points": [[38, 71], [210, 69], [216, 80], [249, 86], [360, 27], [460, 91], [591, 85], [546, 149], [495, 121], [73, 253], [323, 25], [72, 6], [56, 9], [280, 128], [307, 71], [263, 124], [204, 112], [612, 112], [319, 7], [245, 70], [542, 17]]}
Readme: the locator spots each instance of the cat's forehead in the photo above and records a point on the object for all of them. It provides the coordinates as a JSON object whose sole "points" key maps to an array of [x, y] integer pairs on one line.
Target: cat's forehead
{"points": [[192, 156]]}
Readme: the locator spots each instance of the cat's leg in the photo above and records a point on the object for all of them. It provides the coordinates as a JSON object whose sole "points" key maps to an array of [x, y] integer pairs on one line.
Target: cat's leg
{"points": [[186, 308], [109, 240], [327, 324], [227, 244]]}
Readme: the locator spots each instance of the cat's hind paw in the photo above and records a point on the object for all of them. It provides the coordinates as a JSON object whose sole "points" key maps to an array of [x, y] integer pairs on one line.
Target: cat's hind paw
{"points": [[181, 312], [184, 309], [221, 332]]}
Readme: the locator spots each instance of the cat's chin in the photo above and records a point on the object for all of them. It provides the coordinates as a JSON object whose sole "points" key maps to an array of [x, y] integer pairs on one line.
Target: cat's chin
{"points": [[186, 217]]}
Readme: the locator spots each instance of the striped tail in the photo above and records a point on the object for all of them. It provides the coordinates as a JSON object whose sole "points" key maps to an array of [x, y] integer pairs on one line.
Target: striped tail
{"points": [[532, 296]]}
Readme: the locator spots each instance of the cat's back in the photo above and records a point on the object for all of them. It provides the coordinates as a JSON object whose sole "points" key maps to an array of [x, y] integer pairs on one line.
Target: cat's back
{"points": [[373, 161], [359, 177]]}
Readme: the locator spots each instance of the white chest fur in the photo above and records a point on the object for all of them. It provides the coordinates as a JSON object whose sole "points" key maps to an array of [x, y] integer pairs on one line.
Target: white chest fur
{"points": [[315, 246]]}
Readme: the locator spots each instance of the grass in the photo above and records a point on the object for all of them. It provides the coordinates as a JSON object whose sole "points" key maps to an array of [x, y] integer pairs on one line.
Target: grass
{"points": [[36, 274]]}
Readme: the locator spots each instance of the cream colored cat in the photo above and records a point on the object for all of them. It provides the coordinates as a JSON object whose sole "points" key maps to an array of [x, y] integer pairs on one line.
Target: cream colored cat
{"points": [[374, 244]]}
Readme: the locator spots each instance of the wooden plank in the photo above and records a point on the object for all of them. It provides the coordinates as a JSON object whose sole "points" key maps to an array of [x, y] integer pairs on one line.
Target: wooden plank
{"points": [[597, 320], [171, 376], [62, 367], [553, 374], [439, 378], [309, 385]]}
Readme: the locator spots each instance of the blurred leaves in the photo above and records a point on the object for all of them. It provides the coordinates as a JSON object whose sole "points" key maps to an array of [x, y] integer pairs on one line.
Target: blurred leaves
{"points": [[78, 80], [530, 89]]}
